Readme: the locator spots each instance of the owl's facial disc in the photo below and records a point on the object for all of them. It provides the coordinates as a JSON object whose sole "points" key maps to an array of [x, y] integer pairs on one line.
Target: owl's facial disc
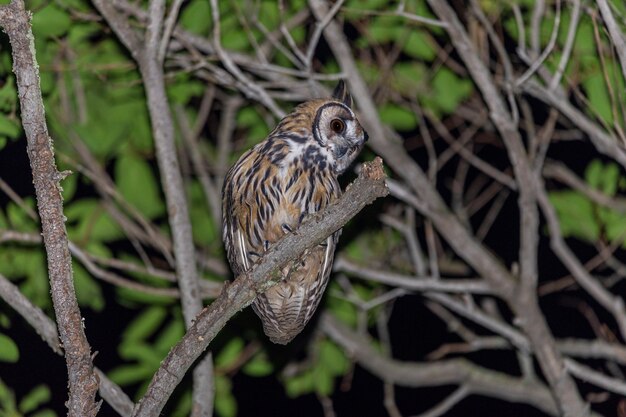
{"points": [[341, 134]]}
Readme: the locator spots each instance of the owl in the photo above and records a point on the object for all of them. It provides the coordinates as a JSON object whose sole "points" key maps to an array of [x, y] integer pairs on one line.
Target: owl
{"points": [[273, 187]]}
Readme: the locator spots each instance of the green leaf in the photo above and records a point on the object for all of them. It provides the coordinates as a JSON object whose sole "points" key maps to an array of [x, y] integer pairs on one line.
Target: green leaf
{"points": [[384, 29], [259, 366], [269, 14], [598, 96], [145, 324], [205, 232], [88, 291], [87, 221], [409, 78], [196, 17], [183, 406], [576, 215], [333, 357], [80, 32], [35, 398], [450, 90], [138, 185], [141, 352], [225, 402], [593, 173], [131, 374], [603, 177], [7, 399], [418, 45], [297, 385], [584, 42], [323, 380], [229, 353], [367, 4], [398, 117], [610, 179], [69, 185], [9, 352], [170, 335], [5, 321], [8, 95], [18, 218], [184, 89], [51, 21], [8, 127], [343, 310], [614, 224]]}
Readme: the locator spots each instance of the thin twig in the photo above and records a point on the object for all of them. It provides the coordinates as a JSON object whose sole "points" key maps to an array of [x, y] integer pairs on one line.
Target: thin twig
{"points": [[617, 37], [569, 44], [588, 374], [170, 22]]}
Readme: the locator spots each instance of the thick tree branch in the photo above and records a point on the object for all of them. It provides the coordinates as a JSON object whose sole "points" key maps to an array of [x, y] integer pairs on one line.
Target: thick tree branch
{"points": [[240, 293], [83, 384]]}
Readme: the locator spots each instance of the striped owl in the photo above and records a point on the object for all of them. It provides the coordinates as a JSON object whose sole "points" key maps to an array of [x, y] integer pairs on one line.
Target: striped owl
{"points": [[273, 187]]}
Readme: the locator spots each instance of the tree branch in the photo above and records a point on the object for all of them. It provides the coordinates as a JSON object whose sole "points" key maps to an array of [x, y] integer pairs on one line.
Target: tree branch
{"points": [[455, 371], [46, 328], [369, 186], [525, 302], [151, 69], [614, 31], [83, 384]]}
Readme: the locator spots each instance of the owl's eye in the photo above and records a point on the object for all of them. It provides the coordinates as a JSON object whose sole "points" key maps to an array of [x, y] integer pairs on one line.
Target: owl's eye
{"points": [[337, 125]]}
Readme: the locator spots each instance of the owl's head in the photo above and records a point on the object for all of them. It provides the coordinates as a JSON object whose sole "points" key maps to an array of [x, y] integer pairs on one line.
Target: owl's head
{"points": [[337, 130]]}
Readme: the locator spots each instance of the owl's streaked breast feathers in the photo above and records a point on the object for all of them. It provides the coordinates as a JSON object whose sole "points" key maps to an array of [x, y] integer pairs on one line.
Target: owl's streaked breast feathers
{"points": [[273, 187]]}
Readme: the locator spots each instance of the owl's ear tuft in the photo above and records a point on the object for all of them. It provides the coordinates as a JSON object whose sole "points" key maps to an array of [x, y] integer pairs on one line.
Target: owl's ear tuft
{"points": [[341, 94]]}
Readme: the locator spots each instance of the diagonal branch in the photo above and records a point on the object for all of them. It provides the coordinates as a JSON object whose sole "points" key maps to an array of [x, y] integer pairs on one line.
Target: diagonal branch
{"points": [[618, 38], [369, 186], [83, 384], [47, 329]]}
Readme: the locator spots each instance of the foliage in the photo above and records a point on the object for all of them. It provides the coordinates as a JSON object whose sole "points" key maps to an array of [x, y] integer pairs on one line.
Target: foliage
{"points": [[115, 208], [32, 404]]}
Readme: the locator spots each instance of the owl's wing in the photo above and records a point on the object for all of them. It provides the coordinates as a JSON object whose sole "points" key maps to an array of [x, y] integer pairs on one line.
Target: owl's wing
{"points": [[245, 210]]}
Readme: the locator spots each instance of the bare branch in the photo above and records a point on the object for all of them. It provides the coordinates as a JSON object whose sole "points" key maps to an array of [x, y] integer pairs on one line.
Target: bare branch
{"points": [[613, 304], [616, 34], [425, 283], [456, 371], [588, 374], [603, 142], [83, 384], [46, 328]]}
